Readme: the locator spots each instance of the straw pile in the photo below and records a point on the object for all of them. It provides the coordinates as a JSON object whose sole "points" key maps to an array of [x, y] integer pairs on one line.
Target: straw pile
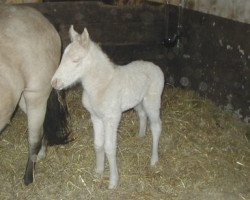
{"points": [[203, 152]]}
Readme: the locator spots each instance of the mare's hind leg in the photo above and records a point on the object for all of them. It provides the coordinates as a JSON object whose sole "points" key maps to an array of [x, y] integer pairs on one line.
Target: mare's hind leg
{"points": [[36, 108], [143, 119], [42, 151], [22, 104], [8, 102], [152, 107], [5, 115]]}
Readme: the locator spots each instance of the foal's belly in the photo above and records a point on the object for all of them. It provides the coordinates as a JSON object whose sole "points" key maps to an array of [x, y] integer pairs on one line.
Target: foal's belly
{"points": [[132, 97], [133, 89], [130, 104]]}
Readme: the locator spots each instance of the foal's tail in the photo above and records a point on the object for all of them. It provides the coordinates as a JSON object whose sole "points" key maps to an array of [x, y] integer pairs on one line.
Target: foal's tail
{"points": [[55, 125]]}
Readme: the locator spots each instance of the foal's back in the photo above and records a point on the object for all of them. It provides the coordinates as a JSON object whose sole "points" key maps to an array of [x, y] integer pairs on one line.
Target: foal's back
{"points": [[140, 68], [137, 80], [138, 75]]}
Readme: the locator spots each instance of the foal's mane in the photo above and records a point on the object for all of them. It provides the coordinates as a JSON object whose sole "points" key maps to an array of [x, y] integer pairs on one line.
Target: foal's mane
{"points": [[99, 48]]}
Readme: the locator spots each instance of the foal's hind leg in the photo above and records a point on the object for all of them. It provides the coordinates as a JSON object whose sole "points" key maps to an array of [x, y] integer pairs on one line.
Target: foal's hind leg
{"points": [[36, 108], [152, 107], [143, 119], [110, 128]]}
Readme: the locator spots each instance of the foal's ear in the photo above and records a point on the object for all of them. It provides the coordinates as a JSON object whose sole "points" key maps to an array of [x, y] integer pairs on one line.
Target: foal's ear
{"points": [[85, 38], [73, 34]]}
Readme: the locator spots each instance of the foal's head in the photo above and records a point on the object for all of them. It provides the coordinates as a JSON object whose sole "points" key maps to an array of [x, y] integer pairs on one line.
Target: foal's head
{"points": [[73, 61]]}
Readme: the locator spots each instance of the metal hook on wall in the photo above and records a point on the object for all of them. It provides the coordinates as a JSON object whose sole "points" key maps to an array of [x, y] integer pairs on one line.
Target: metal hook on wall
{"points": [[170, 42]]}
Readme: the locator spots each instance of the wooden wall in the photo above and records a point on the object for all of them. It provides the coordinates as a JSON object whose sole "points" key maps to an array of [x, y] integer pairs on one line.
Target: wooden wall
{"points": [[213, 55], [126, 33], [238, 10], [214, 58]]}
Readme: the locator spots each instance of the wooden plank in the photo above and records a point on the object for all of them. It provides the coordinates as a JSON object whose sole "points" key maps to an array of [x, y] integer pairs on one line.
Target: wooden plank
{"points": [[214, 57], [117, 34], [123, 54], [107, 24], [97, 12]]}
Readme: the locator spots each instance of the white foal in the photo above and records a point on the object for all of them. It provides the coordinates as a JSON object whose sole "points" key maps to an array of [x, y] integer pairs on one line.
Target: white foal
{"points": [[108, 91]]}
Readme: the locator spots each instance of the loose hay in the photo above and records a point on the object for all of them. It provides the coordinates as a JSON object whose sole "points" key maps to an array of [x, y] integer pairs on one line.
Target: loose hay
{"points": [[203, 153]]}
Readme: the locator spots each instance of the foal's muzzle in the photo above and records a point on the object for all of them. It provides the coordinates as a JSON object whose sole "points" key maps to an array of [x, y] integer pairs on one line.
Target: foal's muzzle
{"points": [[57, 84]]}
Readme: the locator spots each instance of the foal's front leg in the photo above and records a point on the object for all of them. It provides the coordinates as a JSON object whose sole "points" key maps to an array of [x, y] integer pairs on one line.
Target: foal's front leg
{"points": [[110, 127], [98, 143]]}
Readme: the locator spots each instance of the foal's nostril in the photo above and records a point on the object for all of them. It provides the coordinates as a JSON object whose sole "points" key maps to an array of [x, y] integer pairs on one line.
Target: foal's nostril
{"points": [[54, 83], [57, 84]]}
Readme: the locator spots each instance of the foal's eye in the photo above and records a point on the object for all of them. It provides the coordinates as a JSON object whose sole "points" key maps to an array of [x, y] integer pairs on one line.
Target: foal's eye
{"points": [[76, 60]]}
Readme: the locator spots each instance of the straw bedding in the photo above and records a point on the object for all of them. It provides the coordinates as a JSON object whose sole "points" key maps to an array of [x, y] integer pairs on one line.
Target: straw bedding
{"points": [[204, 154]]}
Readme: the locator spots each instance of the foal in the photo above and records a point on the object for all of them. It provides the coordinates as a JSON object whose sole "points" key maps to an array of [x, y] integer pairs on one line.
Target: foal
{"points": [[108, 91]]}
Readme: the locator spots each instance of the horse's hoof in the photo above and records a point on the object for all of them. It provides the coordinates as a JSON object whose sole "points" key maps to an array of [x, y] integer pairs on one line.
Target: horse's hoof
{"points": [[99, 172], [113, 184], [27, 181], [141, 135], [153, 162]]}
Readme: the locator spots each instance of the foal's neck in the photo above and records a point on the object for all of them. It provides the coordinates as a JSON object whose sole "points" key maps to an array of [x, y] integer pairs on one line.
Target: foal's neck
{"points": [[100, 72]]}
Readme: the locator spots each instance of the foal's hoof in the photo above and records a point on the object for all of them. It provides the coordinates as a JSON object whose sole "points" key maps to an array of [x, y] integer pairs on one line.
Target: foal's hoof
{"points": [[141, 135], [99, 172], [113, 183], [153, 162], [112, 186]]}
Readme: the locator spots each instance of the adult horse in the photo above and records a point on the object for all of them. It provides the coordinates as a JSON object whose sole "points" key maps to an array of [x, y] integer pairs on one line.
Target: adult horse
{"points": [[30, 50]]}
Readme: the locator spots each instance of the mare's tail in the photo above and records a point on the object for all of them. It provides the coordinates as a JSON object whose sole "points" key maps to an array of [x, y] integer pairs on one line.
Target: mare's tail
{"points": [[55, 125]]}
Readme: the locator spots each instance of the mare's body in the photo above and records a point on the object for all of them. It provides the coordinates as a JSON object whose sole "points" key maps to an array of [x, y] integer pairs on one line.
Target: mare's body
{"points": [[30, 50]]}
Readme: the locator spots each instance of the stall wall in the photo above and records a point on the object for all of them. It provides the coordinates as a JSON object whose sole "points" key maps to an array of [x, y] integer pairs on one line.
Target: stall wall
{"points": [[238, 10], [20, 1], [212, 56]]}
